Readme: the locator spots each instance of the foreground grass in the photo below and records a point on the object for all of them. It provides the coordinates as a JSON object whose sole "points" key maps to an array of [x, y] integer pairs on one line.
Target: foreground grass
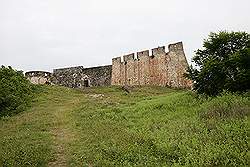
{"points": [[151, 126], [30, 138]]}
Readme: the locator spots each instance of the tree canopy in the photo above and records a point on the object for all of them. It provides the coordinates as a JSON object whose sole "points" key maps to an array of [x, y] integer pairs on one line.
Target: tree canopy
{"points": [[222, 64]]}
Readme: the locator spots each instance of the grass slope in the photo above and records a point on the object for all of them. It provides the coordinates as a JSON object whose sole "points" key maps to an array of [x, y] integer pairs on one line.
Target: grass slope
{"points": [[151, 126]]}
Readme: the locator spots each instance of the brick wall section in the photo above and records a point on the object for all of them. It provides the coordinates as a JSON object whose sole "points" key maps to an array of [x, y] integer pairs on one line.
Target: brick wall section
{"points": [[160, 68]]}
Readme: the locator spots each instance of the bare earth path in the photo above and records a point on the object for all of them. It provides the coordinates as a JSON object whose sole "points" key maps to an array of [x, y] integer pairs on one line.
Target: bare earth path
{"points": [[61, 136], [62, 131]]}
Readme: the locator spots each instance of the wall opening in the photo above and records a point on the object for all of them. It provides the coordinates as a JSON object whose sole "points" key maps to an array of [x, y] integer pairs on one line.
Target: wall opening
{"points": [[86, 83]]}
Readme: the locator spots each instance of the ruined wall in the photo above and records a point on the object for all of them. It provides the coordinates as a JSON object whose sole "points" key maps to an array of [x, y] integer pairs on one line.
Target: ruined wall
{"points": [[79, 77], [159, 68], [38, 77], [72, 77], [99, 76]]}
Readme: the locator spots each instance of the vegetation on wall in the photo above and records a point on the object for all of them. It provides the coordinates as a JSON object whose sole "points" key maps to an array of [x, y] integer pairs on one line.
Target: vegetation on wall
{"points": [[15, 91], [222, 64]]}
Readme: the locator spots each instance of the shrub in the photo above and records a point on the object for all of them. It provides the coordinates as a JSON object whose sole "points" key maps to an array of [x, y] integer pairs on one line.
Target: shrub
{"points": [[226, 106], [15, 91]]}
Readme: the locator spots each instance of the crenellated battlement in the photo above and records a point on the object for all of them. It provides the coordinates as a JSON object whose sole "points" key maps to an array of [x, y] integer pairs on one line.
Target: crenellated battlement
{"points": [[158, 51], [142, 54], [160, 68], [175, 47], [129, 57]]}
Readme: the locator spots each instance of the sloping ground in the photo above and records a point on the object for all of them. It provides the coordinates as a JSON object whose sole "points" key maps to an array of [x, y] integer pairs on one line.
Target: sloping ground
{"points": [[151, 126]]}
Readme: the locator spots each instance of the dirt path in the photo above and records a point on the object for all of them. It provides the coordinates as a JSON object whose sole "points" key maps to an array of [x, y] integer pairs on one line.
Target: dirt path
{"points": [[62, 132], [59, 148]]}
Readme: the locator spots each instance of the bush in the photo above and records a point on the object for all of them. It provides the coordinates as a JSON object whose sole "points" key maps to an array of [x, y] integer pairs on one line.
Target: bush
{"points": [[226, 106], [15, 91]]}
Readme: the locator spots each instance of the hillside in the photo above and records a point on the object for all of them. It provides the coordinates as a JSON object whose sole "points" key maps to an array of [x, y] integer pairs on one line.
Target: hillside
{"points": [[151, 126]]}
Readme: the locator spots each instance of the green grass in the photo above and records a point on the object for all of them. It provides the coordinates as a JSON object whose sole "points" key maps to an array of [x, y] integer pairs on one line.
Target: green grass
{"points": [[105, 126]]}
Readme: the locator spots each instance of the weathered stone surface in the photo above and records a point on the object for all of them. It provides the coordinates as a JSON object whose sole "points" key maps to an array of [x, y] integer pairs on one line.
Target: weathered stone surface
{"points": [[79, 77], [38, 77], [160, 68]]}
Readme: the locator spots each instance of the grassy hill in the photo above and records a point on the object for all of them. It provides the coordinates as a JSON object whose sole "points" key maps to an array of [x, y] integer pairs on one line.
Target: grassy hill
{"points": [[151, 126]]}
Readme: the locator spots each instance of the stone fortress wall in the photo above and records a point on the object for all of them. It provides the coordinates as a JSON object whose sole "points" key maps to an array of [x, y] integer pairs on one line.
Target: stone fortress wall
{"points": [[79, 77], [38, 77], [159, 68], [73, 77]]}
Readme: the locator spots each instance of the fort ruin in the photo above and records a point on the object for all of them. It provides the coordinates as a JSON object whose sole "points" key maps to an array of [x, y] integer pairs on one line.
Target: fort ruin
{"points": [[160, 68], [39, 77], [79, 77]]}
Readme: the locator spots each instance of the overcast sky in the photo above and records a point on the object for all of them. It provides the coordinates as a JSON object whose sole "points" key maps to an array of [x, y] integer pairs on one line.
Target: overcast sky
{"points": [[48, 34]]}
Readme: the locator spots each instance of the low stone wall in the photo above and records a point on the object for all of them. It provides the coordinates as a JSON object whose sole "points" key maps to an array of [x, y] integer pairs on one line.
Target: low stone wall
{"points": [[79, 77], [70, 77], [39, 77]]}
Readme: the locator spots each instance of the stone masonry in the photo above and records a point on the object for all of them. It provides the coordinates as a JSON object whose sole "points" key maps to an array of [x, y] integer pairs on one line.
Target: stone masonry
{"points": [[160, 68], [38, 77], [79, 77]]}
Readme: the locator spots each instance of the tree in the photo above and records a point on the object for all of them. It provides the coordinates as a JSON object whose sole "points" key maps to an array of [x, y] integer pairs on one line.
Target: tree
{"points": [[222, 64]]}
